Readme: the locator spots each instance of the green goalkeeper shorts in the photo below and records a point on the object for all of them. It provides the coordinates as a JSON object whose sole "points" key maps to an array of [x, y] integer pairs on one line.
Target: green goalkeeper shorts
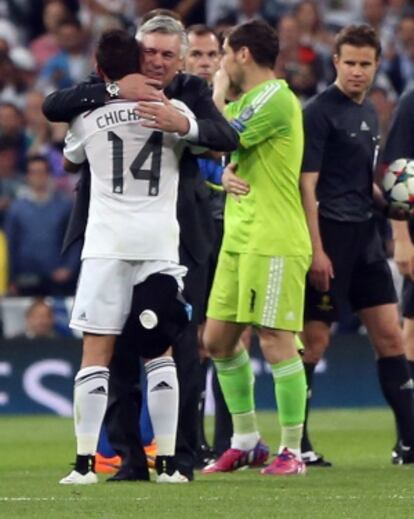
{"points": [[260, 290]]}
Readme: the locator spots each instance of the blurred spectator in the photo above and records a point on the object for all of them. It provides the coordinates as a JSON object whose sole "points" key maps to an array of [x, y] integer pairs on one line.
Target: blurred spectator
{"points": [[190, 11], [9, 33], [374, 13], [299, 64], [143, 7], [394, 12], [39, 321], [12, 125], [246, 10], [45, 46], [98, 16], [25, 73], [8, 93], [218, 9], [10, 175], [35, 226], [39, 134], [313, 32], [400, 66], [72, 63]]}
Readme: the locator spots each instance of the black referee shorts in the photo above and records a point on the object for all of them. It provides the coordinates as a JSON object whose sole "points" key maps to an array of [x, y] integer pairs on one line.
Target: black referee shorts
{"points": [[362, 275]]}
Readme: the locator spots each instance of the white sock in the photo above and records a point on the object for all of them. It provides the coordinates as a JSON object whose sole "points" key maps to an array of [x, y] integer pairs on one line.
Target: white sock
{"points": [[245, 442], [89, 406], [162, 397], [290, 439]]}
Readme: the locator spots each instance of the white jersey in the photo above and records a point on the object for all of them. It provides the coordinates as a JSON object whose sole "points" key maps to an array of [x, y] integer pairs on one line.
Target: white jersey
{"points": [[134, 182]]}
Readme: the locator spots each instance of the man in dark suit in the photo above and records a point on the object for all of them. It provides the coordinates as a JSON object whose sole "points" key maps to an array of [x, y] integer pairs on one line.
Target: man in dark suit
{"points": [[196, 237]]}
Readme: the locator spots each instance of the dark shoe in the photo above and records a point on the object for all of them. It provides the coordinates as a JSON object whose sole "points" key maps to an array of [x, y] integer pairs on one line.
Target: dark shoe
{"points": [[205, 456], [313, 459], [402, 455], [128, 473]]}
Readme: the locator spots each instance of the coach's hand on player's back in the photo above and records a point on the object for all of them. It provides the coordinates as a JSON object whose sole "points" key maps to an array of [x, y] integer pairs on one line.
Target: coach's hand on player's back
{"points": [[137, 86], [233, 184], [321, 271]]}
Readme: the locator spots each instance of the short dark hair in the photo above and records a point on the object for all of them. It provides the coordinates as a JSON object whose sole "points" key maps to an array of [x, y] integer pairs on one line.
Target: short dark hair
{"points": [[118, 54], [199, 29], [70, 20], [261, 40], [358, 36], [8, 142], [38, 158]]}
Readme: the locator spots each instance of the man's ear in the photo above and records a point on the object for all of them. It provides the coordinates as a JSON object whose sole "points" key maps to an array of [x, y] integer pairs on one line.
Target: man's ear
{"points": [[244, 54]]}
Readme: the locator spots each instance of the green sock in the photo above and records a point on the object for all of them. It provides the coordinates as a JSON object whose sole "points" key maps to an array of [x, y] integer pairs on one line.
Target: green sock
{"points": [[236, 379], [290, 392]]}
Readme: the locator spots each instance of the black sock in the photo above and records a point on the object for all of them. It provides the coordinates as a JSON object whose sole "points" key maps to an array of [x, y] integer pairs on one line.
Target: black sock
{"points": [[411, 366], [309, 370], [396, 384], [223, 424], [85, 463]]}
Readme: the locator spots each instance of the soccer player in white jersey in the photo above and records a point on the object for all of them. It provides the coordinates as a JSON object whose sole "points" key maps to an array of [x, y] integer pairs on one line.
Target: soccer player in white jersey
{"points": [[131, 236]]}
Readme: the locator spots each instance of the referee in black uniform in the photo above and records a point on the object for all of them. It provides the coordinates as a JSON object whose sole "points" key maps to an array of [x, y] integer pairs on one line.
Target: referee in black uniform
{"points": [[349, 266]]}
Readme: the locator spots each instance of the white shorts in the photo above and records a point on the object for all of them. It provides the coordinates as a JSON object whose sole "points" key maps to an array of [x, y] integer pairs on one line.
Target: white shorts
{"points": [[104, 293]]}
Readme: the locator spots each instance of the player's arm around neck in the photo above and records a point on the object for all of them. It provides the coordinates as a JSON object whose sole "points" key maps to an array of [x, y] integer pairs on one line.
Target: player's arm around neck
{"points": [[321, 270]]}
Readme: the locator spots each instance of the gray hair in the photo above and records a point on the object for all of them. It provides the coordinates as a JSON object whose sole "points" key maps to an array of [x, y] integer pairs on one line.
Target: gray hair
{"points": [[165, 25]]}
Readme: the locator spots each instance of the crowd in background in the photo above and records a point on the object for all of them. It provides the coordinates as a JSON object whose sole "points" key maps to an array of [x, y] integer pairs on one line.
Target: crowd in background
{"points": [[48, 44]]}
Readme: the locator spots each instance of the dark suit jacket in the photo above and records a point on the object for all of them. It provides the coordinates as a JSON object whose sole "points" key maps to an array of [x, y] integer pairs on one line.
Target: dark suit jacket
{"points": [[193, 209]]}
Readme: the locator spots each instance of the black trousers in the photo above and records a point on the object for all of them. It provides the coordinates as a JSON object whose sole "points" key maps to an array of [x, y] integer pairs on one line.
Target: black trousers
{"points": [[125, 397]]}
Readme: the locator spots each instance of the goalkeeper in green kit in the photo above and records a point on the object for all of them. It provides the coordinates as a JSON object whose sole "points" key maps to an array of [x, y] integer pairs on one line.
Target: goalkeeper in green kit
{"points": [[265, 254]]}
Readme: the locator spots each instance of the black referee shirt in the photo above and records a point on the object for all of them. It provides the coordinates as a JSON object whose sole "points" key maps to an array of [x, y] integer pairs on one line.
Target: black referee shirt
{"points": [[341, 143]]}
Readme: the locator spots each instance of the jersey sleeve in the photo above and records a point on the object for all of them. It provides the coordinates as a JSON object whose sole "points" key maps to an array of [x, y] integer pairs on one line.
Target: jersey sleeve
{"points": [[316, 129], [74, 149], [197, 150], [400, 141], [266, 115]]}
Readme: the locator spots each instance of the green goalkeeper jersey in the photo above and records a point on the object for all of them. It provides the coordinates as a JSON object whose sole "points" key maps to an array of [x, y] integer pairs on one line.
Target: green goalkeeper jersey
{"points": [[270, 220]]}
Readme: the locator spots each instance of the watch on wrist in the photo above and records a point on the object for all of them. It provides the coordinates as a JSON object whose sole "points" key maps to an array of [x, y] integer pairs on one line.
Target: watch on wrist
{"points": [[112, 89]]}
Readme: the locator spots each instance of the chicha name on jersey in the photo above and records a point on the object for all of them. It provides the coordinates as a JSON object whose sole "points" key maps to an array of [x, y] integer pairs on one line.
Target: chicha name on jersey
{"points": [[122, 115]]}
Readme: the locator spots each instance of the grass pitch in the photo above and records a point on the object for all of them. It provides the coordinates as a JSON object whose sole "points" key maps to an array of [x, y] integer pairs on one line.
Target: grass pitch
{"points": [[36, 452]]}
